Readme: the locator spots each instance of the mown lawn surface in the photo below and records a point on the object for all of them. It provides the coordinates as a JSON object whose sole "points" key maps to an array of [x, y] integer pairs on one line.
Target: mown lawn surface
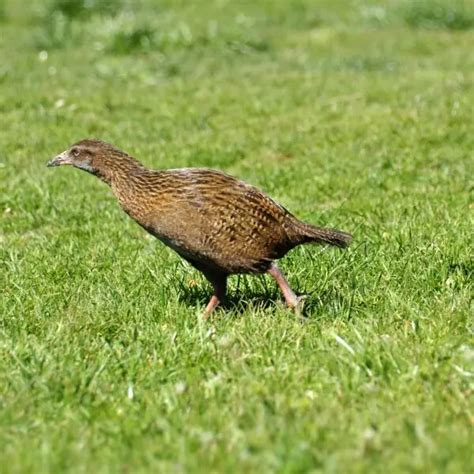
{"points": [[353, 114]]}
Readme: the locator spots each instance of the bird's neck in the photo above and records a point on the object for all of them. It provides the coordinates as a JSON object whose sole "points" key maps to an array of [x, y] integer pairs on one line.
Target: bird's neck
{"points": [[141, 191], [116, 172]]}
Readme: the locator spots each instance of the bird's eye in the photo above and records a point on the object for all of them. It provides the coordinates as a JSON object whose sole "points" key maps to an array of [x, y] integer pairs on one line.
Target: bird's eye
{"points": [[75, 152]]}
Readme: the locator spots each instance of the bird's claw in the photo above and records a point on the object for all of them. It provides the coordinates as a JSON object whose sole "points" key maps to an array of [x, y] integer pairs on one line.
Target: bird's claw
{"points": [[298, 307]]}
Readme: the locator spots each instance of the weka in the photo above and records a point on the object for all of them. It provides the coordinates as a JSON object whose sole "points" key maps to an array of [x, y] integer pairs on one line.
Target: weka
{"points": [[219, 224]]}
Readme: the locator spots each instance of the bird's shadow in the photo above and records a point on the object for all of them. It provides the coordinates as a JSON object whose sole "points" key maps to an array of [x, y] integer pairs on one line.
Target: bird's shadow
{"points": [[237, 300], [243, 298]]}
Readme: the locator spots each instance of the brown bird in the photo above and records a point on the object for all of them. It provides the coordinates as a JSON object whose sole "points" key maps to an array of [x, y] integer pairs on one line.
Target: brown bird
{"points": [[219, 224]]}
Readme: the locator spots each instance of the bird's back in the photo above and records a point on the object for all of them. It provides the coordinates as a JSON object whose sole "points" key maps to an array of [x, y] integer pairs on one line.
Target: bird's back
{"points": [[216, 221]]}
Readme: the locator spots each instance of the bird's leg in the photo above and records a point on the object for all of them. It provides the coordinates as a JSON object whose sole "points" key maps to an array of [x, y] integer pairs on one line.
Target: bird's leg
{"points": [[294, 302], [219, 282]]}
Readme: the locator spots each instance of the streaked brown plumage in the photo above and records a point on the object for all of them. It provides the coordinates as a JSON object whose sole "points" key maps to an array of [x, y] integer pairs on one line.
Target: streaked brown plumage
{"points": [[219, 224]]}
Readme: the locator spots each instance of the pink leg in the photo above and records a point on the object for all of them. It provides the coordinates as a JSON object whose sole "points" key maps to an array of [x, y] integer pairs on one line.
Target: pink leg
{"points": [[220, 284], [292, 301], [213, 302]]}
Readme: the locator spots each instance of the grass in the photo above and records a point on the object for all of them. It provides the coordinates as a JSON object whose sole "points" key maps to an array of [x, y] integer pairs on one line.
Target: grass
{"points": [[357, 116]]}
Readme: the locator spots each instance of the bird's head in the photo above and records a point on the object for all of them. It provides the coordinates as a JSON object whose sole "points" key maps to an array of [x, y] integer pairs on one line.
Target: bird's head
{"points": [[97, 157]]}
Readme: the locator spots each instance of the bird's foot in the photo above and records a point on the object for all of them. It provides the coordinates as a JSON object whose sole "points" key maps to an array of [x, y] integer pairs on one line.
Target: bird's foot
{"points": [[298, 304], [212, 305]]}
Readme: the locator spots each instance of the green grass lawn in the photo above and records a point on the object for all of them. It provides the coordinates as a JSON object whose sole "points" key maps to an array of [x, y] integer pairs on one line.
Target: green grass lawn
{"points": [[353, 114]]}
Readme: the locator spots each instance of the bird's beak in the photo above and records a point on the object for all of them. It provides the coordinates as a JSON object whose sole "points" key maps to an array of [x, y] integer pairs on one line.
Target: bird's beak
{"points": [[62, 159]]}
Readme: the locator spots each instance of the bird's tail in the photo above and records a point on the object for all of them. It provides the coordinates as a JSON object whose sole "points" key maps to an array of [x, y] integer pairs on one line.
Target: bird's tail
{"points": [[309, 233]]}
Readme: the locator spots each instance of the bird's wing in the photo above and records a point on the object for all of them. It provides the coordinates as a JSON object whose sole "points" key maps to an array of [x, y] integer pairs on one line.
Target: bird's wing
{"points": [[210, 216]]}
